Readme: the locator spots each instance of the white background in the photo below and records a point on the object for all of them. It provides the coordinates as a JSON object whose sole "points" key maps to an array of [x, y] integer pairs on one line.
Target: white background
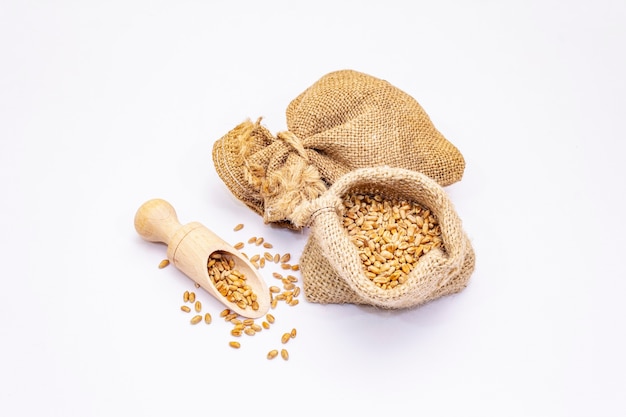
{"points": [[104, 105]]}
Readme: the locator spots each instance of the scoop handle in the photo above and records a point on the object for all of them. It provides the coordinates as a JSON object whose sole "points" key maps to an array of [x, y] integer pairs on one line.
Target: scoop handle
{"points": [[156, 221]]}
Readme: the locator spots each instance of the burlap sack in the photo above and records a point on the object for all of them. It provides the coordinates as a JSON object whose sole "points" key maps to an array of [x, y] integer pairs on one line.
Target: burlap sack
{"points": [[331, 268], [344, 121]]}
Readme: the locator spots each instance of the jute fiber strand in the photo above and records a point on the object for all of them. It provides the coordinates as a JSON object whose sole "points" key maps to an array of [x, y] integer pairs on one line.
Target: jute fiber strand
{"points": [[331, 268], [344, 121]]}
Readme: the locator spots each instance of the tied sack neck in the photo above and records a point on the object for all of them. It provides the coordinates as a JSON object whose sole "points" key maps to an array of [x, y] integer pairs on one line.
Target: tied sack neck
{"points": [[271, 175]]}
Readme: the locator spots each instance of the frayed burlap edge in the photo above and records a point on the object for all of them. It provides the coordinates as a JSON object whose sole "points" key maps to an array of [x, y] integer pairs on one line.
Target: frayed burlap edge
{"points": [[273, 195]]}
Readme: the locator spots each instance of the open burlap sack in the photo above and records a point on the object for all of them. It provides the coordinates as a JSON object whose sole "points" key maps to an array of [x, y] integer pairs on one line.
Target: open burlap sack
{"points": [[344, 121], [331, 268]]}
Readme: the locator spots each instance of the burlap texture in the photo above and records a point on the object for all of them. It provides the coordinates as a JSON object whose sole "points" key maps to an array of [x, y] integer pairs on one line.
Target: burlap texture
{"points": [[331, 268], [344, 121]]}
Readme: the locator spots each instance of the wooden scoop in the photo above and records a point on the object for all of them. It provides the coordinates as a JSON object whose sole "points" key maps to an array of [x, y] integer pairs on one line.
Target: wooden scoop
{"points": [[189, 247]]}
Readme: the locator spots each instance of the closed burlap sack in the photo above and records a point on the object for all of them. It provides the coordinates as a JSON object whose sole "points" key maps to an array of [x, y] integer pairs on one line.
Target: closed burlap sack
{"points": [[331, 268], [344, 121]]}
